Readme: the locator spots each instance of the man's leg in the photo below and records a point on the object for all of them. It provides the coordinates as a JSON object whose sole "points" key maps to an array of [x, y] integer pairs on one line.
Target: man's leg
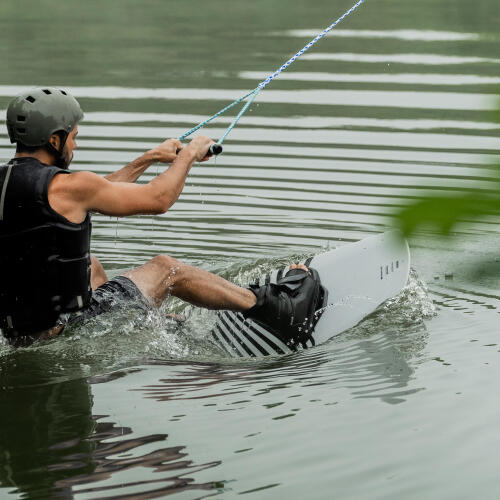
{"points": [[164, 275]]}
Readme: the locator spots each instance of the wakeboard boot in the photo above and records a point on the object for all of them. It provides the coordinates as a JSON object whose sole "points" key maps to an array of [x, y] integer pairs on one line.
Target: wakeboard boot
{"points": [[291, 307]]}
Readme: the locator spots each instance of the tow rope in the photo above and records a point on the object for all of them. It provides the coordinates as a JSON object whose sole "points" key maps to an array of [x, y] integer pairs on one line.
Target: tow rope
{"points": [[216, 148]]}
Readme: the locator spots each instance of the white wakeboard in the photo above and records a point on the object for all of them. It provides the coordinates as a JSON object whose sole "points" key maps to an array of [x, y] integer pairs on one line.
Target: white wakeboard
{"points": [[358, 277]]}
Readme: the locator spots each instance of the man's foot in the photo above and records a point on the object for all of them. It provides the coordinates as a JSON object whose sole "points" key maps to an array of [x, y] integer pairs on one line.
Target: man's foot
{"points": [[299, 266], [288, 307]]}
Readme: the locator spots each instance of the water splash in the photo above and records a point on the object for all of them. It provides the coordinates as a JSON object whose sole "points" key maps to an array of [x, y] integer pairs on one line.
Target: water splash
{"points": [[413, 305], [400, 319]]}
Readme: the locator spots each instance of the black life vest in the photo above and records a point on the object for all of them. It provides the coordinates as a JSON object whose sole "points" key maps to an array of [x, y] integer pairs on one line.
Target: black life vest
{"points": [[44, 258]]}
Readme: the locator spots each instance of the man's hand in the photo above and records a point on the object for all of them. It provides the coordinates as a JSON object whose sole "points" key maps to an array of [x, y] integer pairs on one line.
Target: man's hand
{"points": [[164, 153], [199, 146], [167, 151]]}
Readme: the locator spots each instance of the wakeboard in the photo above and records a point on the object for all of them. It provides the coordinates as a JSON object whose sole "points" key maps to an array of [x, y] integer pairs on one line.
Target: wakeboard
{"points": [[358, 278]]}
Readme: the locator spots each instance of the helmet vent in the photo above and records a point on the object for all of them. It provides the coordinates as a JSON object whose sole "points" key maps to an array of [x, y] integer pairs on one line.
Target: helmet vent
{"points": [[30, 99], [21, 118], [21, 130], [47, 91], [63, 93]]}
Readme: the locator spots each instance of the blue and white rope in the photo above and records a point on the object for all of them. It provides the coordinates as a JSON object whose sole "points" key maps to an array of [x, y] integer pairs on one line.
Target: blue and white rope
{"points": [[268, 80], [240, 114], [213, 117]]}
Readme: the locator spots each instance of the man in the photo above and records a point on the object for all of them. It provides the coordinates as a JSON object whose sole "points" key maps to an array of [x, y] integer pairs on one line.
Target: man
{"points": [[49, 277]]}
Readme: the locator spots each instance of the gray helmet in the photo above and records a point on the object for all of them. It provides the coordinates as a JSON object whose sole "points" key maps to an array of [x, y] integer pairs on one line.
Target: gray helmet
{"points": [[34, 115]]}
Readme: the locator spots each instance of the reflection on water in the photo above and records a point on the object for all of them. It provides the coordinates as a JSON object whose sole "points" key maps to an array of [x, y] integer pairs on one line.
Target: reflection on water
{"points": [[402, 78], [368, 368], [407, 35], [417, 59], [52, 446], [374, 98]]}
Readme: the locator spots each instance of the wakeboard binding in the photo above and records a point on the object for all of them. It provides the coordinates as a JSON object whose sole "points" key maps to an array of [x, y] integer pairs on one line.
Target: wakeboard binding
{"points": [[291, 307]]}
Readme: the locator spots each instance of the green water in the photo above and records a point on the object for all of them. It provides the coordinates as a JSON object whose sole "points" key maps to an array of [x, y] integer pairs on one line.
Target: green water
{"points": [[393, 104]]}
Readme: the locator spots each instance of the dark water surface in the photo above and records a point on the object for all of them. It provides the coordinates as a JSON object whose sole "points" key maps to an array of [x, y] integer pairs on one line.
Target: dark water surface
{"points": [[394, 103]]}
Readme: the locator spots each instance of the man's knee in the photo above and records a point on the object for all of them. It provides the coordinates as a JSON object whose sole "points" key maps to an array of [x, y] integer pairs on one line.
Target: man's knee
{"points": [[168, 266], [165, 261], [158, 277]]}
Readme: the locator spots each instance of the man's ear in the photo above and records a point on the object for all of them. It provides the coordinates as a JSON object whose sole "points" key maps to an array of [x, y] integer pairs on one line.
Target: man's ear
{"points": [[55, 141]]}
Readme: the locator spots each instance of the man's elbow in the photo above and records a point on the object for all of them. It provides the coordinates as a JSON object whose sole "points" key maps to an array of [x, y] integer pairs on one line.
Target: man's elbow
{"points": [[159, 199], [162, 203]]}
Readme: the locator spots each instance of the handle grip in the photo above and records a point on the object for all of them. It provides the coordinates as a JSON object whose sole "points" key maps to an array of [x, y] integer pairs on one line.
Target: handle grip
{"points": [[214, 149]]}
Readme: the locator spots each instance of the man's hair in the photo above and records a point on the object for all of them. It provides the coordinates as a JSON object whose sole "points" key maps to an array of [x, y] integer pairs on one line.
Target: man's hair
{"points": [[23, 148]]}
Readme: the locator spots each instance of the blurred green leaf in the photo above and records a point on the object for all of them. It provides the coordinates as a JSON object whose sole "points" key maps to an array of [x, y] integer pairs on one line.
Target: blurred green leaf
{"points": [[443, 212]]}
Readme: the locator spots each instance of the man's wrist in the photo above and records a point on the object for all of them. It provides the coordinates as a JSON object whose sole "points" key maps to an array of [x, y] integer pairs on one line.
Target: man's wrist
{"points": [[187, 155], [151, 156]]}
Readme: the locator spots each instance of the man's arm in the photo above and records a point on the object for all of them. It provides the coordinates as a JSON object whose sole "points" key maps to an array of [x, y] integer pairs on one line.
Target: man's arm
{"points": [[164, 153], [74, 195]]}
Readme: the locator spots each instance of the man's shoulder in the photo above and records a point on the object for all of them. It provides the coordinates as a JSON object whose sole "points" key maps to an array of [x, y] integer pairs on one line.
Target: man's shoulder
{"points": [[76, 182], [82, 177], [69, 195]]}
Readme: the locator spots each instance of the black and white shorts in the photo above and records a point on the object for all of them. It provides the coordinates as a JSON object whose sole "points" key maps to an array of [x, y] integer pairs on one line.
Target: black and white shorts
{"points": [[117, 292]]}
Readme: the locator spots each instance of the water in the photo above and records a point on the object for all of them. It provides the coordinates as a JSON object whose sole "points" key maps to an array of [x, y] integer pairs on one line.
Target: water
{"points": [[392, 104]]}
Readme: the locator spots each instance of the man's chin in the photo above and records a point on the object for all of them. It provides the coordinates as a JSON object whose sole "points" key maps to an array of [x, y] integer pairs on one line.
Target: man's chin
{"points": [[65, 162], [62, 162]]}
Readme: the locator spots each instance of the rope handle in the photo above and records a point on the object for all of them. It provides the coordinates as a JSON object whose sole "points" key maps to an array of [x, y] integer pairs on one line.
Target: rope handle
{"points": [[215, 149]]}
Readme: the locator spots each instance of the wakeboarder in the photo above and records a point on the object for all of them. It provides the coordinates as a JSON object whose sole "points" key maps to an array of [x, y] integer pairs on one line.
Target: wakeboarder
{"points": [[49, 277]]}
